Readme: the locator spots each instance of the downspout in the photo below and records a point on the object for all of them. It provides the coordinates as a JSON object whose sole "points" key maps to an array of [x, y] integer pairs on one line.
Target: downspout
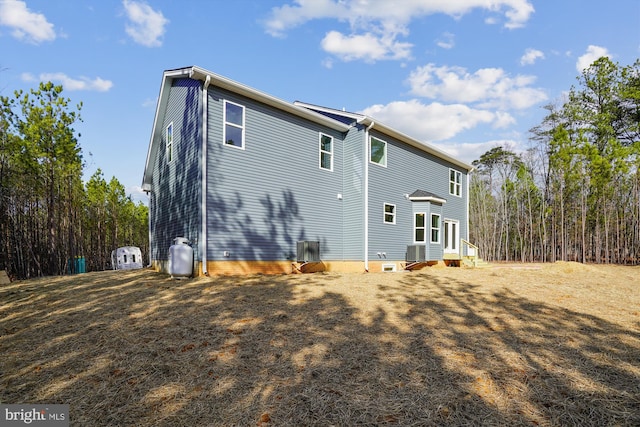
{"points": [[149, 194], [468, 193], [366, 197], [203, 205]]}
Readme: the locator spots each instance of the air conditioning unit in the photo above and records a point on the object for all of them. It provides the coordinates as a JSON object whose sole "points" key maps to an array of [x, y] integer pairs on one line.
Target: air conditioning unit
{"points": [[416, 253], [308, 251]]}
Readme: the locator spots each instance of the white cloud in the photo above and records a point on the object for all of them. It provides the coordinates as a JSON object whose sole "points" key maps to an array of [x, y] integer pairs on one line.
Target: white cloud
{"points": [[376, 24], [367, 47], [26, 25], [517, 13], [82, 83], [503, 120], [137, 194], [491, 20], [286, 17], [531, 56], [28, 77], [327, 63], [145, 26], [446, 41], [429, 122], [593, 53], [489, 87], [389, 14], [150, 103]]}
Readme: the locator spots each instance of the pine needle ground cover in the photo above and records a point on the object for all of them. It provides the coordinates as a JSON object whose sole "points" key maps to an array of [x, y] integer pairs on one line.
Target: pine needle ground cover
{"points": [[555, 344]]}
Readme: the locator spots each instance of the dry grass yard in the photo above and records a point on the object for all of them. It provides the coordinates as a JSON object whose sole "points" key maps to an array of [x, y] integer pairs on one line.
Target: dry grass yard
{"points": [[546, 345]]}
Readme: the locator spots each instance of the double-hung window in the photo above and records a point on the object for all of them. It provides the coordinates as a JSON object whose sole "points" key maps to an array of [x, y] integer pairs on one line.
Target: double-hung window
{"points": [[419, 226], [389, 213], [233, 124], [326, 152], [378, 151], [455, 182], [435, 228], [169, 137]]}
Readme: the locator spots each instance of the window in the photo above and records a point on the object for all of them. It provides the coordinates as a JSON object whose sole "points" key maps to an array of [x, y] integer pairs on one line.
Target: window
{"points": [[326, 152], [169, 142], [233, 124], [388, 268], [389, 213], [455, 182], [378, 151], [419, 227], [435, 228]]}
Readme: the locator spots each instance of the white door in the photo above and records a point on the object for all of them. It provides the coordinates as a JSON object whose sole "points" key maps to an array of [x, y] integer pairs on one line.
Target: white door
{"points": [[451, 236]]}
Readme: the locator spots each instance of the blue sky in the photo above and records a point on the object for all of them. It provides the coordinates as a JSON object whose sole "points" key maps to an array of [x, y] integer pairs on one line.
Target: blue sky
{"points": [[463, 75]]}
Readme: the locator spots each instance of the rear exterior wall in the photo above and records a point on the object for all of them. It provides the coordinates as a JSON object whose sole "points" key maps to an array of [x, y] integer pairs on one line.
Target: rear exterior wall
{"points": [[264, 198]]}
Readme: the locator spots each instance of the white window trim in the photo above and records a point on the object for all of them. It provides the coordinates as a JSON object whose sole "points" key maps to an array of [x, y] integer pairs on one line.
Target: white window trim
{"points": [[170, 143], [457, 185], [385, 213], [415, 227], [386, 151], [431, 228], [455, 239], [225, 123], [391, 266], [321, 151]]}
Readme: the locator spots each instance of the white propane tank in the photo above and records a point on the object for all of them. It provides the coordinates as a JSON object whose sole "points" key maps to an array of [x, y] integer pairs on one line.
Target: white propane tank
{"points": [[180, 258]]}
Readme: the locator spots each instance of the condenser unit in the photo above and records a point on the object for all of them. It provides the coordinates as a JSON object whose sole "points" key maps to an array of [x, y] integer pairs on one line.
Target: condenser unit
{"points": [[308, 251], [416, 253]]}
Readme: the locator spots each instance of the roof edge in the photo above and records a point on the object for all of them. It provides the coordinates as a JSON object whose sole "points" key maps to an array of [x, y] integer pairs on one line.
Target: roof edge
{"points": [[198, 73], [343, 113], [367, 120], [424, 146], [428, 199]]}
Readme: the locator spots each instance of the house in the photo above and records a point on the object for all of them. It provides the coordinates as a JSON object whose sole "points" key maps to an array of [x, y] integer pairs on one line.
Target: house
{"points": [[258, 184]]}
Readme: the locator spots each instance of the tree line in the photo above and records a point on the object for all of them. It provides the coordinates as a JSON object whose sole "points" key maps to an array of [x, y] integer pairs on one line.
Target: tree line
{"points": [[49, 217], [574, 195]]}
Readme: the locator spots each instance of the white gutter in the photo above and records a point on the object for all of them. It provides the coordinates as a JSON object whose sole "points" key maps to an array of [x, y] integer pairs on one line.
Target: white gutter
{"points": [[366, 196], [429, 199], [203, 204]]}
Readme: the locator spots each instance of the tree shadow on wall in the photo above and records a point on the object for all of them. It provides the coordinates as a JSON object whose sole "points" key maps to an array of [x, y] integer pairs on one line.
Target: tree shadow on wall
{"points": [[263, 231], [176, 200]]}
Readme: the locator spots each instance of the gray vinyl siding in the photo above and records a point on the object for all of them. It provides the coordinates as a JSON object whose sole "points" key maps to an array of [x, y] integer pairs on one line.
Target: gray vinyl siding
{"points": [[353, 186], [408, 169], [176, 189], [261, 200]]}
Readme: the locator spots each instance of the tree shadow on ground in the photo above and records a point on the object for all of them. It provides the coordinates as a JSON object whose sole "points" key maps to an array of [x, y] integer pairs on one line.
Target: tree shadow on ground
{"points": [[137, 348]]}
